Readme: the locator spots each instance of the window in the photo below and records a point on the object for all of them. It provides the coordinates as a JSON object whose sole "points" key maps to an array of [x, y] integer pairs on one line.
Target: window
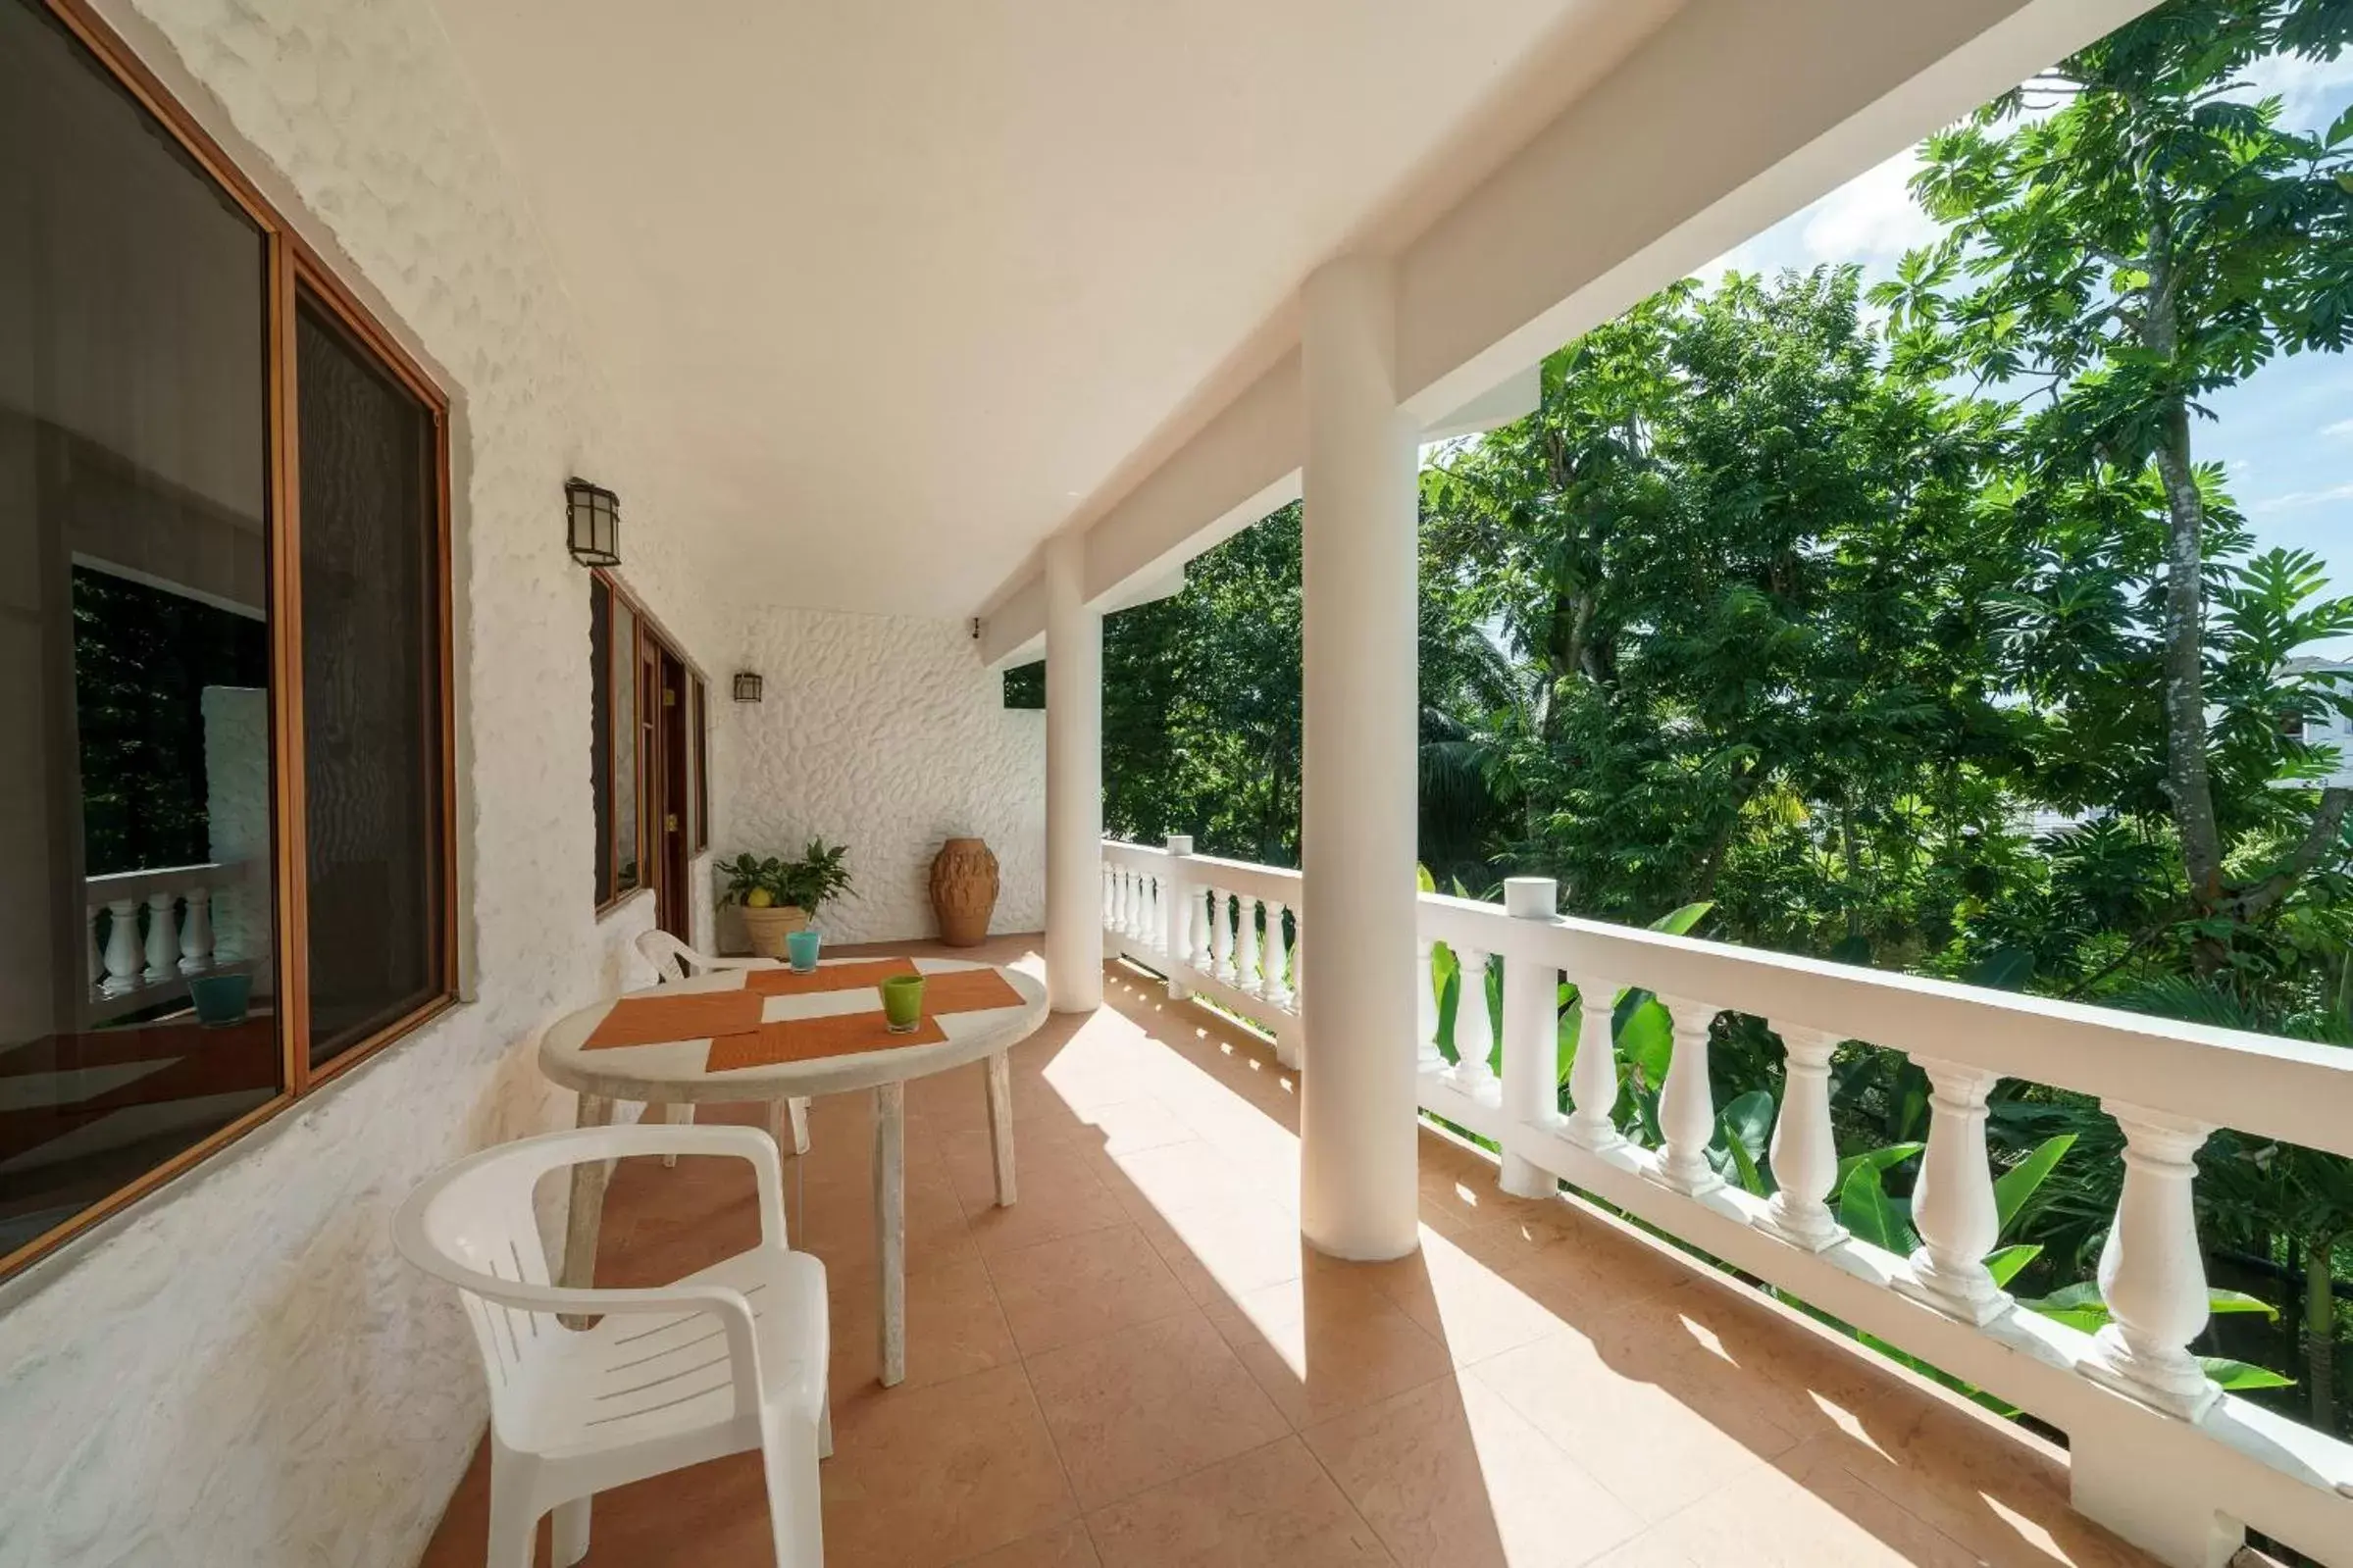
{"points": [[225, 825], [646, 756]]}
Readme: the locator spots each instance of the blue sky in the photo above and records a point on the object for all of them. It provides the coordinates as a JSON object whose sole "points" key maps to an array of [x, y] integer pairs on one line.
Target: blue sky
{"points": [[2286, 432]]}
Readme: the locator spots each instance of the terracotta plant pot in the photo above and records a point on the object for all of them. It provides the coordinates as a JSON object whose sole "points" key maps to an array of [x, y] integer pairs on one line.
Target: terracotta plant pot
{"points": [[963, 892], [767, 929]]}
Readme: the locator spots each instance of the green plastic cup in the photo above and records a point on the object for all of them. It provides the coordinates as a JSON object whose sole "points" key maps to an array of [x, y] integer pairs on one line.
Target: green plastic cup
{"points": [[903, 1004]]}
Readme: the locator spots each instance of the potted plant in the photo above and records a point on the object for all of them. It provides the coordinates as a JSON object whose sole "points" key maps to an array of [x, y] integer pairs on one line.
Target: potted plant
{"points": [[780, 896]]}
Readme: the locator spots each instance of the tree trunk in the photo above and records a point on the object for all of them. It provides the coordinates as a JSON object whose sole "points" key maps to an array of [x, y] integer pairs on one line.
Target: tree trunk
{"points": [[2188, 781], [2319, 1332]]}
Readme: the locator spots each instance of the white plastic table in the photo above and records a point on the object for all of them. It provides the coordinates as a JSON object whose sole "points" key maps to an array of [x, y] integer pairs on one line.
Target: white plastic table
{"points": [[735, 1067]]}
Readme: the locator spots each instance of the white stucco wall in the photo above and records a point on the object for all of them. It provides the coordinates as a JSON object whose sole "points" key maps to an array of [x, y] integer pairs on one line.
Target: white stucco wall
{"points": [[887, 734], [238, 1370]]}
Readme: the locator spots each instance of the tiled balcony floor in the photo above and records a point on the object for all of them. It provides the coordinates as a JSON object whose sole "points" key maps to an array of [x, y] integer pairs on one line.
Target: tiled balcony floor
{"points": [[1137, 1365]]}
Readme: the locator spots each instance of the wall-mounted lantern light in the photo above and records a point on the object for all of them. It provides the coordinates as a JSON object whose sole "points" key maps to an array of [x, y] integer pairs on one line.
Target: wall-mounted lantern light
{"points": [[748, 687], [593, 518]]}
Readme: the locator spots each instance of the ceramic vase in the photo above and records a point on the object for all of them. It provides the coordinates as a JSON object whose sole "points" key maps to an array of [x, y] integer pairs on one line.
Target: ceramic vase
{"points": [[963, 892]]}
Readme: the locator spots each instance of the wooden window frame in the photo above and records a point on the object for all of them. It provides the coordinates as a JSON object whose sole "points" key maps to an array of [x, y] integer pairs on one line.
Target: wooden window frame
{"points": [[292, 270]]}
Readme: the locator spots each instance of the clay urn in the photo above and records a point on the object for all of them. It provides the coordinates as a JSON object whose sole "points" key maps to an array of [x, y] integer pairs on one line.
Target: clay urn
{"points": [[963, 892]]}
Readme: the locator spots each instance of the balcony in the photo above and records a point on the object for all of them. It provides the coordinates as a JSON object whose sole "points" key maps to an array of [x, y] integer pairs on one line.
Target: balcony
{"points": [[1139, 1364]]}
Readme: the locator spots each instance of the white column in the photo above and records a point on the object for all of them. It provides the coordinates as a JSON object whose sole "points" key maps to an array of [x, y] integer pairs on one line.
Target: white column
{"points": [[1953, 1202], [1357, 1120], [2152, 1275], [1805, 1155], [1531, 1041], [1074, 781]]}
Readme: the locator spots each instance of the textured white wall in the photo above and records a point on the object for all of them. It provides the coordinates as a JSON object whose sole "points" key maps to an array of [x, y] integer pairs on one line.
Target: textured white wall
{"points": [[887, 734], [239, 1369]]}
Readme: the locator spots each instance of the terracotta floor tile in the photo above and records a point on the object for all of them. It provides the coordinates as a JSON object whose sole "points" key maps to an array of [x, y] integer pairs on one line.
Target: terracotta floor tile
{"points": [[921, 1477], [1272, 1508], [1627, 1428], [1466, 1306], [1228, 1251], [1065, 1546], [1132, 1126], [1819, 1517], [1174, 1177], [1147, 1404], [1061, 1291], [953, 1326], [1059, 1195], [840, 1228], [1326, 1343], [1452, 1476]]}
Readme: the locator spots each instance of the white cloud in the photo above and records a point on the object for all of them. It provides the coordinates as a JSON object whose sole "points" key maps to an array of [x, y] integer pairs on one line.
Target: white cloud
{"points": [[2297, 500], [1872, 217], [2342, 430], [2307, 88]]}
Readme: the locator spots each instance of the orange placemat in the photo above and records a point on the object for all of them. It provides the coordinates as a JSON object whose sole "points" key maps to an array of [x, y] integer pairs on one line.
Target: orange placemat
{"points": [[967, 991], [801, 1040], [824, 977], [660, 1020]]}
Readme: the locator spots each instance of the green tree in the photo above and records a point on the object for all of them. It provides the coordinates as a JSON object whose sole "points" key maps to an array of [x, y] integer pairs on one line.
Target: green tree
{"points": [[2134, 238]]}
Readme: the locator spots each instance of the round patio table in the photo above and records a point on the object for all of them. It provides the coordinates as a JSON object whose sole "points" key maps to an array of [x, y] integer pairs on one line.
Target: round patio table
{"points": [[775, 1035]]}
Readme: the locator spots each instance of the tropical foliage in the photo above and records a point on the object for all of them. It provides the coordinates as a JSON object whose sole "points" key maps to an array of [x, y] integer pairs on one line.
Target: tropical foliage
{"points": [[1908, 628]]}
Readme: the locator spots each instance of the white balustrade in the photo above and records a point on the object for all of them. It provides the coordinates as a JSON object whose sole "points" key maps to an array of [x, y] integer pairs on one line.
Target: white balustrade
{"points": [[1953, 1200], [1804, 1153], [2168, 1085], [145, 933]]}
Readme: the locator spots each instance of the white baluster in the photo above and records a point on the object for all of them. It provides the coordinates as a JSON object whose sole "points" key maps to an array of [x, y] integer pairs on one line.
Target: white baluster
{"points": [[1427, 1057], [1127, 901], [1246, 945], [1687, 1103], [1176, 919], [1474, 1031], [1953, 1202], [93, 958], [2152, 1274], [122, 958], [1531, 1093], [196, 935], [1111, 895], [1805, 1157], [1204, 959], [163, 936], [1275, 980], [1593, 1075], [1221, 933]]}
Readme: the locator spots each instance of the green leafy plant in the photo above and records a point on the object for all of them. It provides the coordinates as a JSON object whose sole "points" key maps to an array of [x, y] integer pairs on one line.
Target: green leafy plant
{"points": [[820, 875]]}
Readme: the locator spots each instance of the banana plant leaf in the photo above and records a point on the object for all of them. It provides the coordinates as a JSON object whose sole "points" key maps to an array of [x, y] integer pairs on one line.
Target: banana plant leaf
{"points": [[1870, 1215], [2017, 1186], [2233, 1375]]}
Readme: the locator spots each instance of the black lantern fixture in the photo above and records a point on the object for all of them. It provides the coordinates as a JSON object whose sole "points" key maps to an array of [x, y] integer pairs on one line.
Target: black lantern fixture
{"points": [[748, 687], [594, 515]]}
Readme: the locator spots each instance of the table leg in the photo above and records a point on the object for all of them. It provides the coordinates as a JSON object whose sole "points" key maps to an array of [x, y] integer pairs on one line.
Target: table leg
{"points": [[585, 1213], [890, 1226], [1000, 1124]]}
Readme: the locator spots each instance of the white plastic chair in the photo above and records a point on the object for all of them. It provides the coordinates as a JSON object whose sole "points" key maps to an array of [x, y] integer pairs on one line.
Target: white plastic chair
{"points": [[729, 1358], [673, 961]]}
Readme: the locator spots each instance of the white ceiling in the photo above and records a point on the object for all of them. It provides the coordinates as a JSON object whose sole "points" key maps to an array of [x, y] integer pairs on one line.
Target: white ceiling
{"points": [[898, 288]]}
